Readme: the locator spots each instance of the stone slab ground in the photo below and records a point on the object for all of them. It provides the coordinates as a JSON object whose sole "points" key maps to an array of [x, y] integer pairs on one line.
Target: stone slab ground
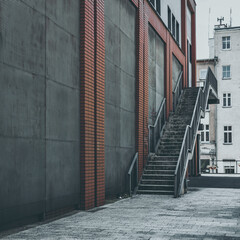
{"points": [[203, 213]]}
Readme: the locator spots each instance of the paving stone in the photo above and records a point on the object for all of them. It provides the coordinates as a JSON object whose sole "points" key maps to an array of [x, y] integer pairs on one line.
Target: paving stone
{"points": [[203, 214]]}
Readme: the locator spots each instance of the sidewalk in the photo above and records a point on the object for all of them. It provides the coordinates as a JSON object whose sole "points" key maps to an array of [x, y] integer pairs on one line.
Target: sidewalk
{"points": [[203, 213]]}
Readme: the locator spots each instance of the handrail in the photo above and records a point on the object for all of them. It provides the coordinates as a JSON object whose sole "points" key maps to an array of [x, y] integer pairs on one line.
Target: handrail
{"points": [[135, 160], [191, 132], [177, 91], [155, 130]]}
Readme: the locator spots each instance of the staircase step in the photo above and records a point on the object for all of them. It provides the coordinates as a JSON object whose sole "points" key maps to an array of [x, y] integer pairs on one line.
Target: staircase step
{"points": [[156, 172], [160, 167], [158, 177], [158, 181], [164, 163], [160, 192], [164, 158], [155, 187]]}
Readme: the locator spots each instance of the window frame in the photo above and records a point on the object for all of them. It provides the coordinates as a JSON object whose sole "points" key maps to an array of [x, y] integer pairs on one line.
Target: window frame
{"points": [[205, 133], [225, 71], [227, 97], [225, 42], [228, 132]]}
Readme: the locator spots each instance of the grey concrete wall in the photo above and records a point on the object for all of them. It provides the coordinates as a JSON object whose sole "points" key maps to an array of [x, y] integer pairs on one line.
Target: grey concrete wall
{"points": [[176, 69], [120, 20], [156, 73], [39, 105]]}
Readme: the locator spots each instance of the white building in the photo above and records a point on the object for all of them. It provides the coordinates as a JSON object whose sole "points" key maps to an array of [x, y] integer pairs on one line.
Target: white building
{"points": [[227, 71], [208, 133]]}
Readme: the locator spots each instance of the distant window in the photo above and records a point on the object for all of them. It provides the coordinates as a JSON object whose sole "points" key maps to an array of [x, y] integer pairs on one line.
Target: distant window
{"points": [[177, 31], [203, 74], [226, 42], [169, 18], [173, 25], [158, 6], [227, 101], [227, 134], [226, 72], [190, 53], [205, 133], [229, 169]]}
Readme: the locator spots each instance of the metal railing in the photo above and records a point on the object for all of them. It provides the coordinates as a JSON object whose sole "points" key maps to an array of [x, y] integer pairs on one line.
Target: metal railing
{"points": [[133, 176], [176, 93], [155, 131], [191, 132]]}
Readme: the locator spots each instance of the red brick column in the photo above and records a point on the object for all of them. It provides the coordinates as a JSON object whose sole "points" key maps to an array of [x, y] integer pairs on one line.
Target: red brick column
{"points": [[99, 102], [87, 155], [139, 86], [145, 86], [92, 78]]}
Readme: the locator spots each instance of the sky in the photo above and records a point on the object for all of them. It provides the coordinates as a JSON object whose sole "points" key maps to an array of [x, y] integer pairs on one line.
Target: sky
{"points": [[207, 13]]}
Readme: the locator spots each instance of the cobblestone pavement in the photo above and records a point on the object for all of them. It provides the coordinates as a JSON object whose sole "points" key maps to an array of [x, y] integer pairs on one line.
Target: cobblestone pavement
{"points": [[203, 213]]}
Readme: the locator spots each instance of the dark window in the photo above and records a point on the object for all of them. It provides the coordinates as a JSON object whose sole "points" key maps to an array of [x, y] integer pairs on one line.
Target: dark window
{"points": [[158, 6], [226, 42], [169, 18], [202, 136], [227, 134], [173, 25], [226, 71], [177, 31], [227, 100]]}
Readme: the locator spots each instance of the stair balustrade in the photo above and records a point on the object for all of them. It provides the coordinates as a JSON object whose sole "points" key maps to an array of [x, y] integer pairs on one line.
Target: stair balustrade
{"points": [[191, 132], [155, 131]]}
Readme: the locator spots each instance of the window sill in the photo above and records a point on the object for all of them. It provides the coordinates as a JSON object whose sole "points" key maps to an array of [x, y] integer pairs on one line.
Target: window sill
{"points": [[226, 49], [227, 78], [227, 144], [226, 106]]}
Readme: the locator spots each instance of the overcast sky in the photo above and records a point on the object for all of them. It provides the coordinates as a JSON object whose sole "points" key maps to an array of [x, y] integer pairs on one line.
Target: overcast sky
{"points": [[217, 8]]}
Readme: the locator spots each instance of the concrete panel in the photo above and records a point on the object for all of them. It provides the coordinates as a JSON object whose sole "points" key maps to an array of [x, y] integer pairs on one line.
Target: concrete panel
{"points": [[127, 92], [62, 172], [111, 9], [62, 59], [112, 125], [22, 171], [120, 96], [112, 42], [38, 5], [156, 73], [62, 115], [128, 55], [112, 84], [22, 103], [65, 13], [25, 51], [127, 19], [127, 129]]}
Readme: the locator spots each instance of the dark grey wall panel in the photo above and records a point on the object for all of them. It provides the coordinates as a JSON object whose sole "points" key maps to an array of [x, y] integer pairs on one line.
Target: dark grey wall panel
{"points": [[39, 105], [156, 73], [120, 81]]}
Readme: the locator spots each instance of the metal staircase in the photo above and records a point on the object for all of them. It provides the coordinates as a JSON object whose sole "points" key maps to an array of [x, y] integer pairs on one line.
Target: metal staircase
{"points": [[165, 171]]}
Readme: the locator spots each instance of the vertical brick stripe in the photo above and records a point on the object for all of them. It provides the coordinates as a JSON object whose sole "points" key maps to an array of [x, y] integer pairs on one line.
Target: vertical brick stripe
{"points": [[87, 158], [139, 85], [99, 102], [146, 74]]}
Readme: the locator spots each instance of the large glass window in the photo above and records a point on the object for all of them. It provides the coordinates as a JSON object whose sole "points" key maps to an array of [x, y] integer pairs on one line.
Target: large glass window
{"points": [[169, 19], [205, 133], [203, 74], [177, 31], [173, 25], [228, 134], [226, 42], [227, 101], [226, 71]]}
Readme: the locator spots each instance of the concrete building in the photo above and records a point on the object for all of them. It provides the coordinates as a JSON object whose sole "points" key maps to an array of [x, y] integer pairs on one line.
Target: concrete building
{"points": [[81, 81], [227, 51], [208, 132]]}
